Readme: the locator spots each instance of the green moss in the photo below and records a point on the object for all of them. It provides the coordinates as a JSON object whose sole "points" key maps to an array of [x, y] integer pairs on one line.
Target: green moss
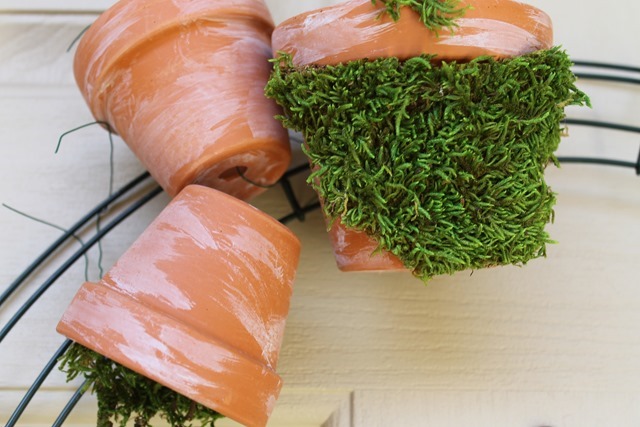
{"points": [[442, 164], [124, 394], [434, 14]]}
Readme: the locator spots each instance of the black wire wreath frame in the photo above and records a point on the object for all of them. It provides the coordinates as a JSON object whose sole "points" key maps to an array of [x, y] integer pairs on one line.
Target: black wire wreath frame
{"points": [[597, 71]]}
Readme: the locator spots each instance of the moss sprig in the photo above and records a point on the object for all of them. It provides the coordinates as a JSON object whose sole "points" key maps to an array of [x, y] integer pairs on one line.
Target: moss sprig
{"points": [[434, 14], [125, 395], [441, 163]]}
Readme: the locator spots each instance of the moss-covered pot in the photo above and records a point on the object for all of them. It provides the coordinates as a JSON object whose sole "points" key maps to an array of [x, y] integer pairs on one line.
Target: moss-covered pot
{"points": [[181, 81], [198, 304], [431, 142]]}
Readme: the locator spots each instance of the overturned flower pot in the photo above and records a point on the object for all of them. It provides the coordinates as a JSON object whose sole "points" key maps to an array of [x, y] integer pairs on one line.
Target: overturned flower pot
{"points": [[181, 81], [428, 127], [197, 304]]}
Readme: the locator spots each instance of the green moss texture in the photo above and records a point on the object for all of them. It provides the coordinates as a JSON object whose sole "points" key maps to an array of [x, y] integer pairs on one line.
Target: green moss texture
{"points": [[441, 162]]}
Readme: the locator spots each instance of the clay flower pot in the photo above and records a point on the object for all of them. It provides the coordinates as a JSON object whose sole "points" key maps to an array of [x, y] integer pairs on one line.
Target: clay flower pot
{"points": [[198, 304], [181, 81], [358, 29]]}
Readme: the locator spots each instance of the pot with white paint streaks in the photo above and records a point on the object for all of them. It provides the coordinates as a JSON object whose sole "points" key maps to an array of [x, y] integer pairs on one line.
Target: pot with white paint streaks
{"points": [[198, 304], [182, 81], [358, 29]]}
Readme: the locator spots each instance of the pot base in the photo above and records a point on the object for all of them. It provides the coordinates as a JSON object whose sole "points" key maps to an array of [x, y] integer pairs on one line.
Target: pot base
{"points": [[242, 174]]}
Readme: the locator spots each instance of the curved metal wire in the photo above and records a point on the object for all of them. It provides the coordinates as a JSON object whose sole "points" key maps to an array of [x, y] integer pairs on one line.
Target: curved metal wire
{"points": [[603, 125], [607, 77], [71, 404], [302, 212], [137, 204], [596, 161], [298, 213], [15, 285], [607, 66], [37, 383], [72, 259]]}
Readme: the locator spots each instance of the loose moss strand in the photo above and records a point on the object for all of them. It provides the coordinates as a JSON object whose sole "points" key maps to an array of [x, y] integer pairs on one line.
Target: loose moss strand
{"points": [[434, 14]]}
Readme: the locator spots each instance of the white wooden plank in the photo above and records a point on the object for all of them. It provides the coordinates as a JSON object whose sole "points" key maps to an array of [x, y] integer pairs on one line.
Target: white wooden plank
{"points": [[295, 409], [280, 9], [560, 326], [54, 5], [578, 24], [409, 408], [46, 406], [33, 48], [564, 322]]}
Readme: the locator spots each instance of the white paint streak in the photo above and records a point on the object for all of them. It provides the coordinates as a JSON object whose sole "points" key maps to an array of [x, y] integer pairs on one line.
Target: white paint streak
{"points": [[500, 37], [267, 333], [207, 356], [256, 248], [334, 21], [136, 275], [192, 226], [120, 21], [270, 403], [143, 270]]}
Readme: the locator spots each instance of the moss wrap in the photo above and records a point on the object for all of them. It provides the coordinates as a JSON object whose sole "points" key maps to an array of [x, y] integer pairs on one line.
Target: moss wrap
{"points": [[442, 163]]}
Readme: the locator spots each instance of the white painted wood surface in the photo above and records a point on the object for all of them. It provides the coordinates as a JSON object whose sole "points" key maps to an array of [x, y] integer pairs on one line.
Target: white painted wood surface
{"points": [[555, 343]]}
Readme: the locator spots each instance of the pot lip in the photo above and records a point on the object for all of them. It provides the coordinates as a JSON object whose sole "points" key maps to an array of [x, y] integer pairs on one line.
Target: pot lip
{"points": [[303, 31], [264, 378], [242, 206], [129, 24]]}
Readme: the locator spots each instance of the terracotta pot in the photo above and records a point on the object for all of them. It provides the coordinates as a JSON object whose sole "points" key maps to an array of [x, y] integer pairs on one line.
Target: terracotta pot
{"points": [[198, 304], [357, 29], [182, 82]]}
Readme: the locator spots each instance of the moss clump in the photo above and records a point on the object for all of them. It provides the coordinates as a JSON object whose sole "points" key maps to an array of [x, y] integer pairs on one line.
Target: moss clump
{"points": [[124, 394], [442, 163], [434, 14]]}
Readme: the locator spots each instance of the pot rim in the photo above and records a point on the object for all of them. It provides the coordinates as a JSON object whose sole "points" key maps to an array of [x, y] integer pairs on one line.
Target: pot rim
{"points": [[129, 24], [408, 37], [174, 337]]}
